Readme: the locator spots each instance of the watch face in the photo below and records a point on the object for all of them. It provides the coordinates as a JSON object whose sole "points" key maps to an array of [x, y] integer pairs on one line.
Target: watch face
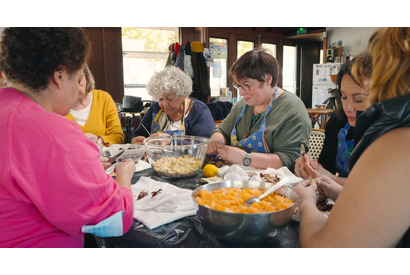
{"points": [[247, 160]]}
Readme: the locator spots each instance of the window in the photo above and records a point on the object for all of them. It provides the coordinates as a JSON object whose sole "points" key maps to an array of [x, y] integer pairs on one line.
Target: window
{"points": [[270, 48], [219, 71], [321, 56], [145, 51], [243, 47], [289, 68]]}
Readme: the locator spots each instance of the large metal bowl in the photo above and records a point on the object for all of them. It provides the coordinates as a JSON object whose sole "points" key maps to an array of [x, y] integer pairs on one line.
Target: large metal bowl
{"points": [[191, 149], [244, 228]]}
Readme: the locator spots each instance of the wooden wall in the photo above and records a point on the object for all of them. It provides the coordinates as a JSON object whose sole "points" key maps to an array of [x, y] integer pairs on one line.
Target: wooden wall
{"points": [[105, 60]]}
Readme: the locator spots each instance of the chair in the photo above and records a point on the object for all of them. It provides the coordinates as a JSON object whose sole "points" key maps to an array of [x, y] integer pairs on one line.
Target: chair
{"points": [[219, 109], [319, 116], [316, 140]]}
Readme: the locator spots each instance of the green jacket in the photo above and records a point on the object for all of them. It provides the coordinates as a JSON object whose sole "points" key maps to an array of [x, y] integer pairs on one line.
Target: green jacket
{"points": [[287, 126]]}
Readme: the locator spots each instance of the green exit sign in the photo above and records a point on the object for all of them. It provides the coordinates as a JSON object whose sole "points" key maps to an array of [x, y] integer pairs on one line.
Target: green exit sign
{"points": [[302, 31]]}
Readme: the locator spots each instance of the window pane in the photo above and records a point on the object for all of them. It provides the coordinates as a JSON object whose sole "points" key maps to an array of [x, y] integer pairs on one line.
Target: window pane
{"points": [[145, 51], [321, 57], [270, 48], [218, 72], [289, 68], [243, 47]]}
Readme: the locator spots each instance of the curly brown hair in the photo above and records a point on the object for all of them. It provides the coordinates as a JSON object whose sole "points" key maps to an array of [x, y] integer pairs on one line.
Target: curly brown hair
{"points": [[31, 55]]}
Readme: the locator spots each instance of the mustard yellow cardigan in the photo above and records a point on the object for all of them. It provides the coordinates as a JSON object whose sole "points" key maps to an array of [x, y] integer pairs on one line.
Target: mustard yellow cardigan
{"points": [[103, 120]]}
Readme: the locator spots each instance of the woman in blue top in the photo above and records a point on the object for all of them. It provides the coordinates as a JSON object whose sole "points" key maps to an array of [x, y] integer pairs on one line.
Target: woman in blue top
{"points": [[174, 113], [339, 136]]}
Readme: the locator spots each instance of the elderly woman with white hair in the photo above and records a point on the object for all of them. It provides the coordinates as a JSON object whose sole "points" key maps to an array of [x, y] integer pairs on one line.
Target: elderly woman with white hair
{"points": [[174, 112]]}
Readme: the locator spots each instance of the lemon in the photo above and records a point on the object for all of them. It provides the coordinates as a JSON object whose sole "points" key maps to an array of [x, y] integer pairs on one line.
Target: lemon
{"points": [[210, 170]]}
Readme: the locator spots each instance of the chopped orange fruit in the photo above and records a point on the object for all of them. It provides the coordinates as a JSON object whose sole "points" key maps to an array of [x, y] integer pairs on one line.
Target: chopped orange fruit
{"points": [[234, 200]]}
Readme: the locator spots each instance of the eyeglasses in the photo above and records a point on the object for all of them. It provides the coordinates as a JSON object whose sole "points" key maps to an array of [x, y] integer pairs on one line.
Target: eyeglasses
{"points": [[245, 87]]}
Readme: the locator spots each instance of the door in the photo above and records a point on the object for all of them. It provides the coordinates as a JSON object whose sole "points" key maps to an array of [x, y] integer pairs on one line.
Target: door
{"points": [[308, 54]]}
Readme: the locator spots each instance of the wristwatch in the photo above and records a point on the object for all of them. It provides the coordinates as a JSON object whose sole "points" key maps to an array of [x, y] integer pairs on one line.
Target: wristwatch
{"points": [[247, 159]]}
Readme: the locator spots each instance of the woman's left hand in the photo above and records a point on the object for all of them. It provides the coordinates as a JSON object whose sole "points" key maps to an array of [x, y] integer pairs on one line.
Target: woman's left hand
{"points": [[105, 162], [306, 192], [231, 154], [92, 137]]}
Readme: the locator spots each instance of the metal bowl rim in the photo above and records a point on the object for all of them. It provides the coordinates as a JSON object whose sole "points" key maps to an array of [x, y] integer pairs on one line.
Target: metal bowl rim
{"points": [[230, 213]]}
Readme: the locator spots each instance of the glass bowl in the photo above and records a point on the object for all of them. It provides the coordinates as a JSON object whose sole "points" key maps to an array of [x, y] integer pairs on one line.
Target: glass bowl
{"points": [[132, 151], [175, 157]]}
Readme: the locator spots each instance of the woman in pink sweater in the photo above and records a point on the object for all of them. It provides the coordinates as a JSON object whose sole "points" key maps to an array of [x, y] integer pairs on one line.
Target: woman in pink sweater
{"points": [[53, 187]]}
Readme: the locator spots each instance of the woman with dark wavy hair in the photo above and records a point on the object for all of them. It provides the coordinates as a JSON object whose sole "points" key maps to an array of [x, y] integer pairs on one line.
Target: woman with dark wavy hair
{"points": [[53, 188], [339, 137]]}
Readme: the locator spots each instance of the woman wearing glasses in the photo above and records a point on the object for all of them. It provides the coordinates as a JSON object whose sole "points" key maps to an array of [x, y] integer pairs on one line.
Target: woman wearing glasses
{"points": [[339, 139], [268, 125], [175, 113]]}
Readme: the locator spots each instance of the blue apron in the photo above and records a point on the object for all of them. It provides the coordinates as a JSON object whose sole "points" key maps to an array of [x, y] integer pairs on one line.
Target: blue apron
{"points": [[344, 150], [255, 142], [155, 127]]}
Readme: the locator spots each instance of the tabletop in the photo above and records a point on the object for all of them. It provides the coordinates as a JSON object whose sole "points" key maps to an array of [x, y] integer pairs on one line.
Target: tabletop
{"points": [[189, 232]]}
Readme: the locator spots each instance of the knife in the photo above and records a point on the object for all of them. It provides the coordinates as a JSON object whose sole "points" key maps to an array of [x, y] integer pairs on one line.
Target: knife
{"points": [[114, 158], [302, 150]]}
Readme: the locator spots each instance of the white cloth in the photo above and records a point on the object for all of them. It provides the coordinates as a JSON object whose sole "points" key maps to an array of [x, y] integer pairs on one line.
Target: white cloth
{"points": [[239, 172], [170, 204], [139, 166]]}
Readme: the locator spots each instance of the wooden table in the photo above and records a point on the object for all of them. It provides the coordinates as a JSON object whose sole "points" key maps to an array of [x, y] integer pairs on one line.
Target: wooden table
{"points": [[319, 116]]}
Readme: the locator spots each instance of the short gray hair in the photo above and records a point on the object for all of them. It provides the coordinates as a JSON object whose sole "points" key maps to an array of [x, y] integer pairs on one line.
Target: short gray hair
{"points": [[171, 79]]}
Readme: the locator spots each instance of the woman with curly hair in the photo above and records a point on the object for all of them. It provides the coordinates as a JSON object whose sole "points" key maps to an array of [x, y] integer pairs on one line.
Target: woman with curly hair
{"points": [[373, 210], [174, 113], [53, 188]]}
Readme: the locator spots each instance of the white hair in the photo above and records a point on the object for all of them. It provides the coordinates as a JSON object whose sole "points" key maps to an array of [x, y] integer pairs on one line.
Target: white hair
{"points": [[171, 79]]}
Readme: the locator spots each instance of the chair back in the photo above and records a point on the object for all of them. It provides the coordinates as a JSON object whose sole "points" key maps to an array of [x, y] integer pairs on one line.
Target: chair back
{"points": [[316, 140]]}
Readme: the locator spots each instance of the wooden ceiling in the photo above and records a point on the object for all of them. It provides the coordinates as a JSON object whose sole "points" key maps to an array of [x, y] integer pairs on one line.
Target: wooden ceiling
{"points": [[313, 33]]}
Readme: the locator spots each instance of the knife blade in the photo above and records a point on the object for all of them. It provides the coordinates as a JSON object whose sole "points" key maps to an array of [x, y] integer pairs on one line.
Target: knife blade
{"points": [[114, 158], [302, 150]]}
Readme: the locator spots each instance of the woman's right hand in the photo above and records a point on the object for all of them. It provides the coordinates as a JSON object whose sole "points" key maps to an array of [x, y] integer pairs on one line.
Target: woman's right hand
{"points": [[212, 148], [217, 139], [302, 167], [306, 167], [159, 134], [138, 140]]}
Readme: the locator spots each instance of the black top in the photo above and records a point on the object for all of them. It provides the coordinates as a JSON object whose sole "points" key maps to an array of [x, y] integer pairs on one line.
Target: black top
{"points": [[328, 154], [376, 121]]}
